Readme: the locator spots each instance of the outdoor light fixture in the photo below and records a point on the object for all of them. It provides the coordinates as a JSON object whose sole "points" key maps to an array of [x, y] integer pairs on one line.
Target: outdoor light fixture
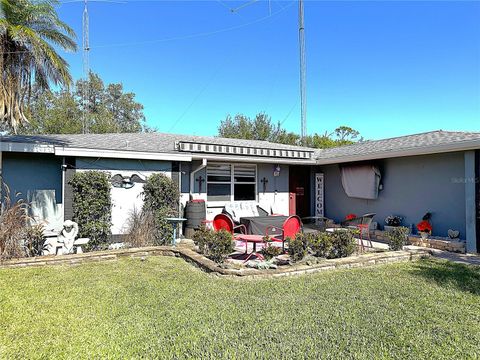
{"points": [[276, 170]]}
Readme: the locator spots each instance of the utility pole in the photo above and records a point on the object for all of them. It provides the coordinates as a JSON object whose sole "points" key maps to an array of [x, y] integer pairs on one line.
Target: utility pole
{"points": [[86, 67], [303, 75]]}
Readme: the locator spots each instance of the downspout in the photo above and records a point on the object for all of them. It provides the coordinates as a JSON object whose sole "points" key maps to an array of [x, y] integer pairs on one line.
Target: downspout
{"points": [[64, 168], [1, 177], [202, 166]]}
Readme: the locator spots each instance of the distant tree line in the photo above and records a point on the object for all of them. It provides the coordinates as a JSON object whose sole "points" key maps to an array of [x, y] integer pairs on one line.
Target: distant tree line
{"points": [[107, 109], [261, 127]]}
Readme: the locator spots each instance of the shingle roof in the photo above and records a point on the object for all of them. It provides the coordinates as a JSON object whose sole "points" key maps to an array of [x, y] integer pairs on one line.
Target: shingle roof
{"points": [[145, 142], [164, 143], [416, 144]]}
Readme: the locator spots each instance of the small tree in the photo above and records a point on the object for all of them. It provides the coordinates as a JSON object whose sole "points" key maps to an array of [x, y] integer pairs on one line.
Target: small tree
{"points": [[92, 206], [397, 237], [161, 197]]}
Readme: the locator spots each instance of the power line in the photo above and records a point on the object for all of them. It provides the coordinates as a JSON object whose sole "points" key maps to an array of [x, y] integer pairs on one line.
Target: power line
{"points": [[196, 35], [289, 112], [202, 90]]}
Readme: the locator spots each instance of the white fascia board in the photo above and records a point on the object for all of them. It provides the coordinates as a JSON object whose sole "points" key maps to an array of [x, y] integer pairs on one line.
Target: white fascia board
{"points": [[26, 147], [254, 159], [120, 154], [438, 149]]}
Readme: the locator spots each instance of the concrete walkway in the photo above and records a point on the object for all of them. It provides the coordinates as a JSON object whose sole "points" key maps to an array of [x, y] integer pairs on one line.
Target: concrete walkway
{"points": [[467, 259]]}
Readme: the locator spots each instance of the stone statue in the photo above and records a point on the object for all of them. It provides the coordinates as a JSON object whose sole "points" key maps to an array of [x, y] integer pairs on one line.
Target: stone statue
{"points": [[67, 236]]}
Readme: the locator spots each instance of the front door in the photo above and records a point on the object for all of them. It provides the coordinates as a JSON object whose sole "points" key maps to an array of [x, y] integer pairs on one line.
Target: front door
{"points": [[299, 184]]}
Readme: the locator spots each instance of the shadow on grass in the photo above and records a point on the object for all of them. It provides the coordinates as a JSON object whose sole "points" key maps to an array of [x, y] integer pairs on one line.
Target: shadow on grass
{"points": [[446, 273]]}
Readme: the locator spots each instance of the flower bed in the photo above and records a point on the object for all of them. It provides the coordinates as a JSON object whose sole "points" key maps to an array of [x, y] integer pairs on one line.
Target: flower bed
{"points": [[208, 265]]}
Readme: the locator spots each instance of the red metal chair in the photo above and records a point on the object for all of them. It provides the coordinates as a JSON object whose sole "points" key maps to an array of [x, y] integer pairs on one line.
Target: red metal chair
{"points": [[291, 227], [222, 221], [361, 223]]}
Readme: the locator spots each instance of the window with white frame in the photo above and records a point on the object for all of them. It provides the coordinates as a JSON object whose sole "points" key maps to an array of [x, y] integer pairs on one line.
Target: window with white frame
{"points": [[229, 182]]}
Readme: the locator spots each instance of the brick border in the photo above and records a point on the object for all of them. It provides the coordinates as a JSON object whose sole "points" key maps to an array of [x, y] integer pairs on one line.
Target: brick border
{"points": [[210, 266]]}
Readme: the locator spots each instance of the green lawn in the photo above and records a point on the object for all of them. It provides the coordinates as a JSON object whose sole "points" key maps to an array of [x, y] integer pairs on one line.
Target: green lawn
{"points": [[166, 308]]}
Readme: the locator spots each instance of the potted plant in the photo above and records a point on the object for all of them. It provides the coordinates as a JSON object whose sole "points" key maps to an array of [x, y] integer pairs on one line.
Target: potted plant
{"points": [[392, 221], [425, 228]]}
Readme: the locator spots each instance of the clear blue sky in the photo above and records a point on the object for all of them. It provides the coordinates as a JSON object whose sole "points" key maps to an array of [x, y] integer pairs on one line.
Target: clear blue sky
{"points": [[384, 68]]}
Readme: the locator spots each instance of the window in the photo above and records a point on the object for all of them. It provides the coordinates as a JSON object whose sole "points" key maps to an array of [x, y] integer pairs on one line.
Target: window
{"points": [[219, 178], [227, 182], [244, 182]]}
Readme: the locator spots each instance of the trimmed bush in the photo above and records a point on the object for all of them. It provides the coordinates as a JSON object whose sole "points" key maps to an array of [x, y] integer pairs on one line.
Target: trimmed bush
{"points": [[216, 245], [343, 243], [320, 244], [222, 246], [92, 207], [270, 251], [297, 247], [397, 237], [161, 197], [202, 237]]}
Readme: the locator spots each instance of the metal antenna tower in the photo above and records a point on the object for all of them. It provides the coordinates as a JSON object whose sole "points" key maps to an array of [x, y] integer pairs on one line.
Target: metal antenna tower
{"points": [[86, 67], [303, 75]]}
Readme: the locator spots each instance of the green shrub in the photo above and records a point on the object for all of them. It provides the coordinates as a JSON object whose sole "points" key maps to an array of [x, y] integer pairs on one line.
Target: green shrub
{"points": [[92, 206], [270, 251], [202, 237], [222, 246], [343, 243], [297, 247], [320, 244], [397, 237], [216, 245], [161, 198]]}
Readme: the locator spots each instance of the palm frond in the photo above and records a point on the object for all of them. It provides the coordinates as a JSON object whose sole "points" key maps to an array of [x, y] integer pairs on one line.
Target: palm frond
{"points": [[29, 30]]}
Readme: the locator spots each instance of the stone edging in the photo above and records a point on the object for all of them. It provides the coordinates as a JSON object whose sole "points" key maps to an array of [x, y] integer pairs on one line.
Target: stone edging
{"points": [[211, 267]]}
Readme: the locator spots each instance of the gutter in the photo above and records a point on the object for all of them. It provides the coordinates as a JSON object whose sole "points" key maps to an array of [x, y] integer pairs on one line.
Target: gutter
{"points": [[122, 154], [26, 147]]}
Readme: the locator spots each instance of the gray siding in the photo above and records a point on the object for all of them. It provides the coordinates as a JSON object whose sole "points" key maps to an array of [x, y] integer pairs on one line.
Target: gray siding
{"points": [[411, 187]]}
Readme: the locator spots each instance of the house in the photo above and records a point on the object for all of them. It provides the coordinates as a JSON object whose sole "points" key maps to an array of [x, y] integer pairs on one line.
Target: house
{"points": [[408, 176]]}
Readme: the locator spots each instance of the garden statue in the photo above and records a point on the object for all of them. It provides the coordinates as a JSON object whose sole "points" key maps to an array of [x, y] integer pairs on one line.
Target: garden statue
{"points": [[67, 236]]}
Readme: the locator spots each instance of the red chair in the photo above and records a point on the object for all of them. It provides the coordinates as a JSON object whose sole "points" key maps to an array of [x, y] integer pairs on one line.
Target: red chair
{"points": [[222, 221], [291, 227]]}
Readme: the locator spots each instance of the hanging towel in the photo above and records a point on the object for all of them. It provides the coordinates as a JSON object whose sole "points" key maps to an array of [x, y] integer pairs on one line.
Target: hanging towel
{"points": [[361, 181]]}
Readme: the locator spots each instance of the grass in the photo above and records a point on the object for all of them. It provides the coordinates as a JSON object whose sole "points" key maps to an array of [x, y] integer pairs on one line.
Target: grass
{"points": [[165, 308]]}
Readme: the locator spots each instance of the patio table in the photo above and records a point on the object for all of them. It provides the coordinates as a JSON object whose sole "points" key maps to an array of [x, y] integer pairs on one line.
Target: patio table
{"points": [[257, 225]]}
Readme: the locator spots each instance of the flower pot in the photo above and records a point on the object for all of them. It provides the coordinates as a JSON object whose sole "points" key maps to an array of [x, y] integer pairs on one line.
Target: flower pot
{"points": [[423, 237], [389, 227]]}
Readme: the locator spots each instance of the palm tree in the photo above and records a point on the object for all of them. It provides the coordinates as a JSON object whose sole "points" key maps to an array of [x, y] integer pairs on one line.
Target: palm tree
{"points": [[29, 30]]}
